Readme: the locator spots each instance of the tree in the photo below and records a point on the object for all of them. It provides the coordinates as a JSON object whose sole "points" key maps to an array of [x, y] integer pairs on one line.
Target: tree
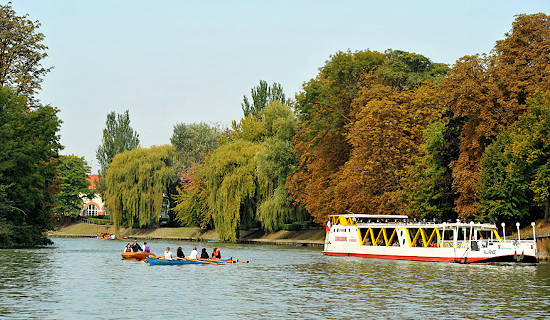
{"points": [[231, 186], [246, 176], [137, 182], [21, 53], [262, 95], [334, 163], [490, 92], [73, 172], [192, 199], [193, 142], [29, 147], [385, 137], [514, 168], [118, 137], [324, 109], [423, 196]]}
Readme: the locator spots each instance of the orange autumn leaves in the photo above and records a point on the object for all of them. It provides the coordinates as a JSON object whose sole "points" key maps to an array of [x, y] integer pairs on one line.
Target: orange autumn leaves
{"points": [[363, 117]]}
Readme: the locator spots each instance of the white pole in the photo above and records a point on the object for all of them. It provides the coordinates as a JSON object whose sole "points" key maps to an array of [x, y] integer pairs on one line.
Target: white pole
{"points": [[443, 235], [534, 237], [517, 226], [503, 231]]}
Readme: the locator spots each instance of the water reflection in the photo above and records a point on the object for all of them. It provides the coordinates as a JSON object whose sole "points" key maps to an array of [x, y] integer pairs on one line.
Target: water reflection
{"points": [[85, 278]]}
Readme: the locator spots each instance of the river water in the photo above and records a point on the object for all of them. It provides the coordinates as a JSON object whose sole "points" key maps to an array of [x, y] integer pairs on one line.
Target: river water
{"points": [[86, 279]]}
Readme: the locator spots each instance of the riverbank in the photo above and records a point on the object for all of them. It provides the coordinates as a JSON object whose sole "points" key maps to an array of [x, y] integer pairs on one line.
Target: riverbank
{"points": [[304, 237]]}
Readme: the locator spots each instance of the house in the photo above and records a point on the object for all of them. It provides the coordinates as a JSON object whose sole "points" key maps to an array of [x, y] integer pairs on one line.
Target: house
{"points": [[95, 206]]}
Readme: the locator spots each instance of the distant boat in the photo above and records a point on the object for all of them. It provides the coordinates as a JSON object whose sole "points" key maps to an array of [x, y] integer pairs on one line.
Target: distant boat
{"points": [[395, 237]]}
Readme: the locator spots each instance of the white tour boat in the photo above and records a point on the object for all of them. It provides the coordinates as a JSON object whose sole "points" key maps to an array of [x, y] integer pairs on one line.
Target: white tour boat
{"points": [[395, 237]]}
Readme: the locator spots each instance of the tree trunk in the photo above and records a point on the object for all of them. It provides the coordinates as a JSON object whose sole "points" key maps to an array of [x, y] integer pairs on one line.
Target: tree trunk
{"points": [[546, 209]]}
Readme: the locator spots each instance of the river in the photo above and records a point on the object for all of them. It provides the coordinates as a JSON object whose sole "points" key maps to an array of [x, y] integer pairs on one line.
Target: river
{"points": [[86, 279]]}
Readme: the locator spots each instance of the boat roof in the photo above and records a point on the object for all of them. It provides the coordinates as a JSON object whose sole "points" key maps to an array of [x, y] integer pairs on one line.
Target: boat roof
{"points": [[372, 216]]}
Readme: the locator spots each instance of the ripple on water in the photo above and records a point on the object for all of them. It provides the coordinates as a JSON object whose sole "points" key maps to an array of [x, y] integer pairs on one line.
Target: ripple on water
{"points": [[86, 279]]}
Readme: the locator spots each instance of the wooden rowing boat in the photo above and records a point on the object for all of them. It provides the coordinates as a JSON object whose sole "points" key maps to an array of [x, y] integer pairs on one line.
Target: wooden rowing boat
{"points": [[141, 255]]}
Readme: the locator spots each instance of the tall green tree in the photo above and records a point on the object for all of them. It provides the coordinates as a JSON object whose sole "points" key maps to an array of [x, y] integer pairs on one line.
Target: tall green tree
{"points": [[262, 95], [73, 173], [118, 136], [422, 192], [29, 145], [22, 51], [137, 182]]}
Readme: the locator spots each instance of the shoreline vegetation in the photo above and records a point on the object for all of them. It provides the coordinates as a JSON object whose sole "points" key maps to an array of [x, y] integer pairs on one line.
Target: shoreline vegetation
{"points": [[373, 132], [311, 237]]}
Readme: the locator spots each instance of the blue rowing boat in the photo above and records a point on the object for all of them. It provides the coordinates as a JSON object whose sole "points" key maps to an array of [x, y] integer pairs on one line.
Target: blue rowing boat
{"points": [[161, 262]]}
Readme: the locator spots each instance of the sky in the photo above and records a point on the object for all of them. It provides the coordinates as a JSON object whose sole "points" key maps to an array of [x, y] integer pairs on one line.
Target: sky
{"points": [[171, 62]]}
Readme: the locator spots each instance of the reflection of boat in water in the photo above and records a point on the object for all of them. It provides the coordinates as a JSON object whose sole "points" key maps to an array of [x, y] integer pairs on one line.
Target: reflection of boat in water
{"points": [[395, 237], [141, 255]]}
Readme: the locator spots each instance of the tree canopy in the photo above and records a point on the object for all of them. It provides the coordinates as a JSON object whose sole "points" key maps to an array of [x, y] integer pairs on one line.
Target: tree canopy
{"points": [[29, 147], [137, 182], [194, 141], [118, 137], [262, 95], [74, 184], [22, 51]]}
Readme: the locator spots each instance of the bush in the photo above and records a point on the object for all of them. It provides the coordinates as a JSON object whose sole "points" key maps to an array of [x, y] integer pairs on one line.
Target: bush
{"points": [[99, 221], [292, 226]]}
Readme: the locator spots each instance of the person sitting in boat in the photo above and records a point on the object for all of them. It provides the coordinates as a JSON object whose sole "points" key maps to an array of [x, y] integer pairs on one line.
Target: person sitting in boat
{"points": [[180, 254], [168, 254], [193, 255], [146, 247], [216, 253], [204, 254], [136, 247], [128, 248], [113, 236]]}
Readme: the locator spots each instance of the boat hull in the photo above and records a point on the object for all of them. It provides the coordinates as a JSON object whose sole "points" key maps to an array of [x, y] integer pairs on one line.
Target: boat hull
{"points": [[135, 255], [346, 242], [502, 258], [164, 262]]}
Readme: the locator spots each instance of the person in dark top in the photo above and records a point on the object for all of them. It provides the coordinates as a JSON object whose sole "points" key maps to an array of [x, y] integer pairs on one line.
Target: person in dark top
{"points": [[180, 254], [204, 254], [136, 247]]}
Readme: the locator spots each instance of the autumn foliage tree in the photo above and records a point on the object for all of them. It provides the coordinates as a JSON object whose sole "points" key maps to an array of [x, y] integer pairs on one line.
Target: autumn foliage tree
{"points": [[362, 119], [491, 93]]}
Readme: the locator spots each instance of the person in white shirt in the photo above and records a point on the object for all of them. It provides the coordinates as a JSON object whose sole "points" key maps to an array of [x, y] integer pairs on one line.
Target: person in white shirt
{"points": [[168, 254], [193, 254]]}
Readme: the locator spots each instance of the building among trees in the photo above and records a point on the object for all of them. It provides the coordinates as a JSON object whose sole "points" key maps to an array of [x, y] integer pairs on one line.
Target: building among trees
{"points": [[95, 206]]}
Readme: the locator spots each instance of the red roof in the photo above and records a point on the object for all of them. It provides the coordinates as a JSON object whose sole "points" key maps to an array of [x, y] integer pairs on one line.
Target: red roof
{"points": [[94, 181]]}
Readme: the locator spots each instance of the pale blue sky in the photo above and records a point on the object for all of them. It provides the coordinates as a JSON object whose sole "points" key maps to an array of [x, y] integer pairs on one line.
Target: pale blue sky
{"points": [[188, 61]]}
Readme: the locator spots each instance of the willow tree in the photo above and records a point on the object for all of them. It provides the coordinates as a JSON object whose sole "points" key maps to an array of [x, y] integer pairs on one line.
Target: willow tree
{"points": [[137, 181], [231, 186], [247, 173]]}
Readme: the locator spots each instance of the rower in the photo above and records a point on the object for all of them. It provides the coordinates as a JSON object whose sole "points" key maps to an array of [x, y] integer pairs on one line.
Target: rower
{"points": [[168, 254], [136, 247], [180, 254], [216, 253], [204, 254], [193, 255]]}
